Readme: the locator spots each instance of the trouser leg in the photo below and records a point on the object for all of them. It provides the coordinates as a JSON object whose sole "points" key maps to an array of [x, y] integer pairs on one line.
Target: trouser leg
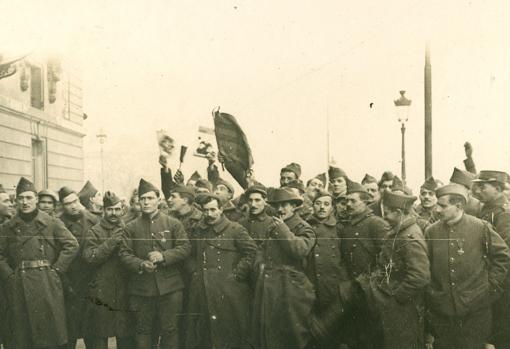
{"points": [[170, 305], [144, 309], [97, 343], [125, 342]]}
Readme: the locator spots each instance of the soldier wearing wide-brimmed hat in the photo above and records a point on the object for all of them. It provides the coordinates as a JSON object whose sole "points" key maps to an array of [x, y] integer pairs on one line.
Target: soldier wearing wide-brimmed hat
{"points": [[402, 274], [468, 262], [281, 275], [35, 251]]}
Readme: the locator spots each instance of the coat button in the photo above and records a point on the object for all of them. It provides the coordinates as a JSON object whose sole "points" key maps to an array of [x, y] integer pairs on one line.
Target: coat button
{"points": [[453, 283], [452, 259], [356, 234], [204, 268], [354, 245], [316, 255], [219, 266]]}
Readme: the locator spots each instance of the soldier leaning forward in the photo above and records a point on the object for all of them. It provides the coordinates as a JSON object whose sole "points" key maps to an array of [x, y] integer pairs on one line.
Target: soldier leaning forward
{"points": [[468, 262], [78, 221], [35, 249], [394, 292], [220, 298], [107, 312], [153, 247], [284, 296]]}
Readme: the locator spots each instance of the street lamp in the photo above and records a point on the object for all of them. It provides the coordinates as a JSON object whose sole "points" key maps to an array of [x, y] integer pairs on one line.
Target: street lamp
{"points": [[102, 138], [402, 105]]}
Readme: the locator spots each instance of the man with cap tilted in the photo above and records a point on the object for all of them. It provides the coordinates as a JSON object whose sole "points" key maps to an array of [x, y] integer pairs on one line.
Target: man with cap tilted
{"points": [[152, 248], [108, 312], [47, 202], [91, 199], [78, 221], [35, 249], [371, 186], [290, 173], [468, 264], [496, 211], [427, 207], [400, 279], [326, 269], [313, 186], [286, 245], [220, 296], [337, 181], [225, 191]]}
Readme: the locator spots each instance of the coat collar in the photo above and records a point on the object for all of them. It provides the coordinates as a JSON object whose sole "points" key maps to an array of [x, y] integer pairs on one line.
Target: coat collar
{"points": [[42, 219], [406, 223], [293, 221], [221, 225], [261, 217], [330, 221], [194, 213], [355, 220], [110, 226], [500, 201]]}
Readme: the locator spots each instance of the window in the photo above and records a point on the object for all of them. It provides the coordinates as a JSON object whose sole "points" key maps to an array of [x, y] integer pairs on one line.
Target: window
{"points": [[39, 163], [36, 88]]}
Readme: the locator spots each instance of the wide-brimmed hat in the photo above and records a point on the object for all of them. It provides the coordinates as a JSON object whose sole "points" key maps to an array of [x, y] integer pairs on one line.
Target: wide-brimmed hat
{"points": [[285, 195]]}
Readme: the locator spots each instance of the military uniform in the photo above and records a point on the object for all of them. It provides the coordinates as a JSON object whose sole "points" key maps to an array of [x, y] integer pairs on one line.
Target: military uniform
{"points": [[282, 276], [220, 296], [232, 212], [157, 294], [31, 252], [79, 274], [429, 214], [395, 291], [361, 241], [468, 263], [107, 313]]}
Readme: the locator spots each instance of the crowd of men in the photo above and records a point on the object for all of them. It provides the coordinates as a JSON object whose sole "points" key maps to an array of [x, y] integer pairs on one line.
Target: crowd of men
{"points": [[326, 264]]}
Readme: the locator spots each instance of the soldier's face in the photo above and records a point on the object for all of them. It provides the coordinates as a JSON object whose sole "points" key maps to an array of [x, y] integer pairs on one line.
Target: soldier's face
{"points": [[212, 212], [27, 202], [372, 190], [149, 202], [46, 204], [287, 177], [97, 202], [386, 185], [446, 211], [113, 213], [339, 185], [176, 202], [323, 206], [488, 192], [392, 216], [341, 206], [285, 210], [313, 187], [428, 198], [5, 205], [223, 192], [72, 207], [355, 205], [256, 203]]}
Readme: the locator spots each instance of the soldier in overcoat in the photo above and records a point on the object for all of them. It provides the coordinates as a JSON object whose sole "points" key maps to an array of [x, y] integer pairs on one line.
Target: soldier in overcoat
{"points": [[35, 249], [78, 221], [284, 295], [107, 312], [469, 262], [220, 298], [153, 247]]}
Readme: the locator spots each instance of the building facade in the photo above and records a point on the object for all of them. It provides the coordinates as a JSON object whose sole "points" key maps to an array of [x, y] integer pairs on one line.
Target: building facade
{"points": [[41, 123]]}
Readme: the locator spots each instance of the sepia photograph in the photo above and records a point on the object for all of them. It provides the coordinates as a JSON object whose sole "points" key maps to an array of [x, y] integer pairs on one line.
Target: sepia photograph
{"points": [[242, 174]]}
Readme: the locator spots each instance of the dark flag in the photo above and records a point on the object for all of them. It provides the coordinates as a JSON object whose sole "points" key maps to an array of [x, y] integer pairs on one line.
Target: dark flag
{"points": [[233, 146]]}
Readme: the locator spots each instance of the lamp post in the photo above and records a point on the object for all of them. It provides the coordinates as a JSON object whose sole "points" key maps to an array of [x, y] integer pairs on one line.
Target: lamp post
{"points": [[102, 139], [402, 105]]}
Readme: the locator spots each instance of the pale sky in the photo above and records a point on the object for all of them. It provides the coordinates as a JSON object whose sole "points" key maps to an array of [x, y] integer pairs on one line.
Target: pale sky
{"points": [[280, 67]]}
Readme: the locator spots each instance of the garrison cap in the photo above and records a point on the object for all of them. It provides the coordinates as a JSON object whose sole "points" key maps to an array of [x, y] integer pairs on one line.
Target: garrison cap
{"points": [[66, 194], [452, 189], [386, 176], [227, 184], [398, 185], [110, 199], [368, 179], [321, 194], [204, 183], [430, 184], [321, 177], [285, 195], [25, 185], [397, 200], [492, 176], [353, 187], [184, 191], [336, 172], [292, 167], [50, 193], [86, 193], [195, 176], [462, 177], [144, 187]]}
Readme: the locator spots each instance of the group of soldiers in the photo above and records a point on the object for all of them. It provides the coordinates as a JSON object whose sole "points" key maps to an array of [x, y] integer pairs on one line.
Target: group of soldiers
{"points": [[330, 264]]}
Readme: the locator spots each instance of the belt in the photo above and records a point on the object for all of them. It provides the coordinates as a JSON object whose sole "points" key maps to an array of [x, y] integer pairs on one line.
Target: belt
{"points": [[35, 264]]}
